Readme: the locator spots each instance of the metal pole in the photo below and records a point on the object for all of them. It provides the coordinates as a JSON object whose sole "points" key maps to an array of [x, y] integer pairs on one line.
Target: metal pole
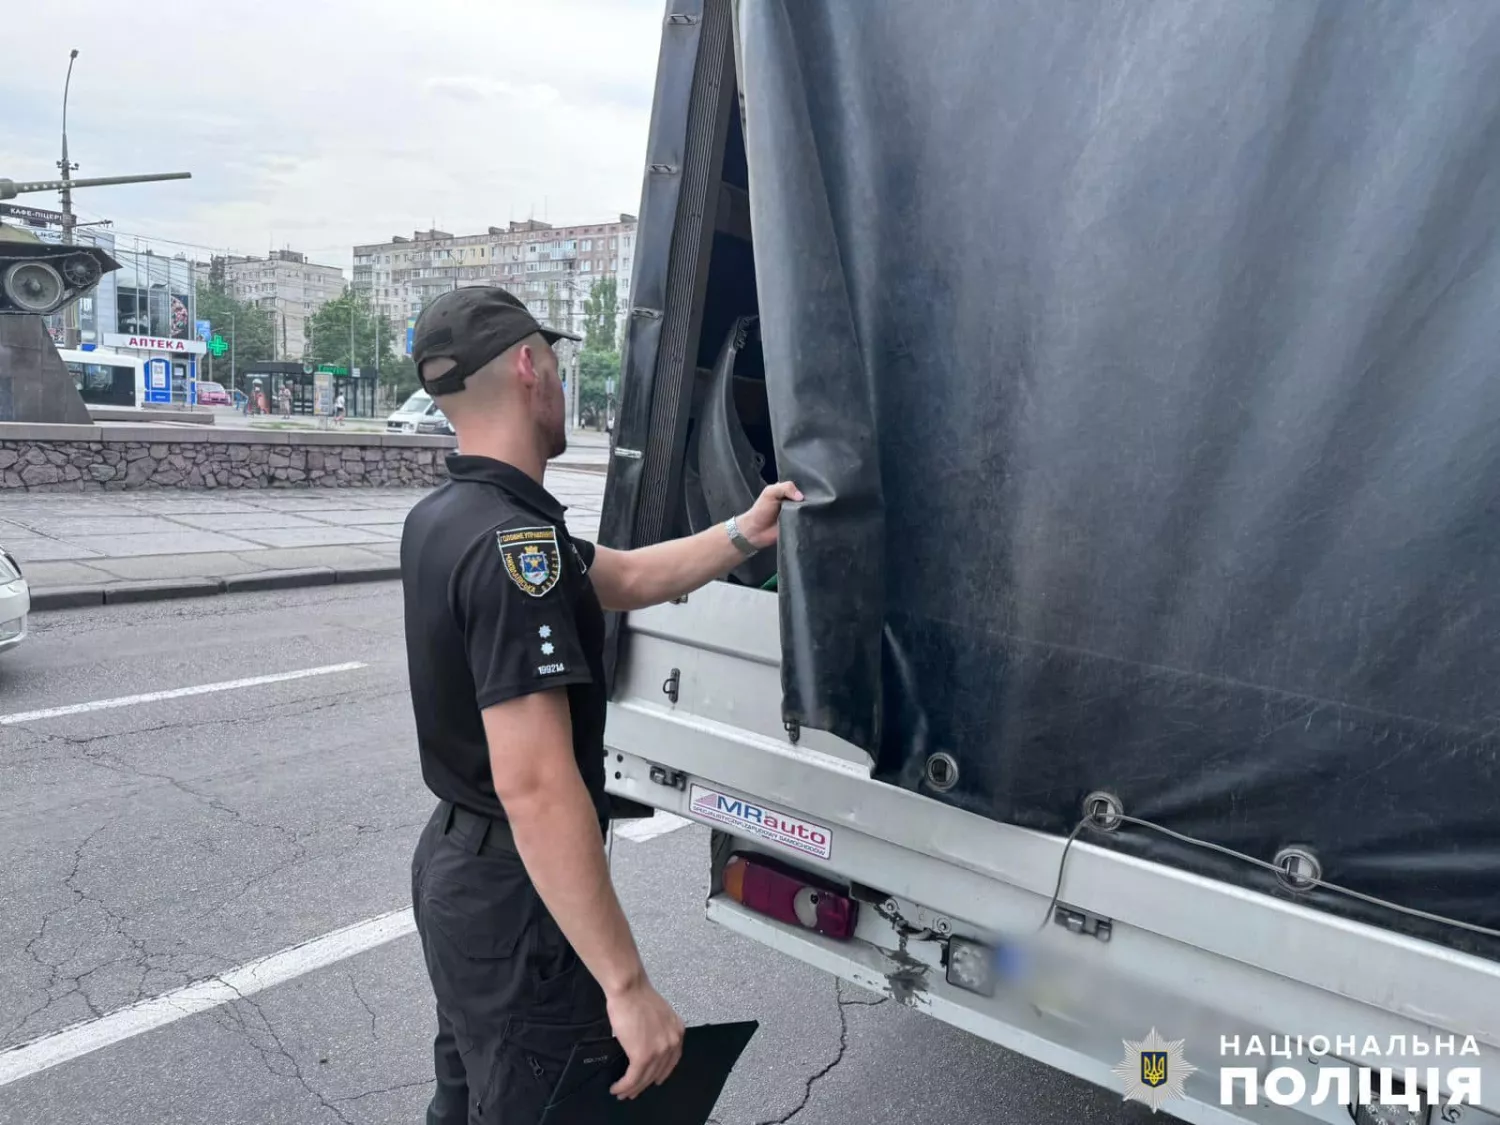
{"points": [[71, 334], [573, 380], [231, 357], [66, 165]]}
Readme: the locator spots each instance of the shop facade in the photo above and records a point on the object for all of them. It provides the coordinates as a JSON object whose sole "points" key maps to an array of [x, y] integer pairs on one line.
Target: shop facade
{"points": [[170, 376]]}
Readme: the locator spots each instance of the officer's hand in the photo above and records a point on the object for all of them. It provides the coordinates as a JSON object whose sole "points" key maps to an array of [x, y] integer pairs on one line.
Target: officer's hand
{"points": [[759, 524], [651, 1034]]}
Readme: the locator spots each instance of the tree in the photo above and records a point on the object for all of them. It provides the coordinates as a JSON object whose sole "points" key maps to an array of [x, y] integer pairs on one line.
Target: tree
{"points": [[242, 323], [401, 376], [595, 369], [349, 318], [601, 309]]}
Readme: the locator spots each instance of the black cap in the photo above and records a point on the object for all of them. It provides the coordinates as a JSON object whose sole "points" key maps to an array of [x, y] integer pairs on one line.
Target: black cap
{"points": [[472, 326]]}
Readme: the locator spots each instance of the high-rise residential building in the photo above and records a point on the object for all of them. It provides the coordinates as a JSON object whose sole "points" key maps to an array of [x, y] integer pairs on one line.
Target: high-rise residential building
{"points": [[553, 269], [288, 285]]}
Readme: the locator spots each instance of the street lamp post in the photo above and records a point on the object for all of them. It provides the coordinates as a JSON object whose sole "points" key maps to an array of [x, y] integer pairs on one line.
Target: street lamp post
{"points": [[65, 165], [71, 334]]}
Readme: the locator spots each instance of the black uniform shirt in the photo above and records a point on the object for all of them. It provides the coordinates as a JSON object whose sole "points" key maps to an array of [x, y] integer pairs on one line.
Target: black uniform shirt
{"points": [[498, 604]]}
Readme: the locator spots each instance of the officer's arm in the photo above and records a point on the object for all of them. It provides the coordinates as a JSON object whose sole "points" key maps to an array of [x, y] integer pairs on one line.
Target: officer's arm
{"points": [[626, 580], [557, 833], [524, 650]]}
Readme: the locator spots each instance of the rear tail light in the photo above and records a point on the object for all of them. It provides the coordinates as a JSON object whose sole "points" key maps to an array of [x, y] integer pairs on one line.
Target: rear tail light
{"points": [[788, 896]]}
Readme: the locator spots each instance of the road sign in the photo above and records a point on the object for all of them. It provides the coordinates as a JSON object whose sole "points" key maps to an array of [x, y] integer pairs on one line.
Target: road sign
{"points": [[355, 373], [332, 369], [205, 329], [218, 346], [35, 216]]}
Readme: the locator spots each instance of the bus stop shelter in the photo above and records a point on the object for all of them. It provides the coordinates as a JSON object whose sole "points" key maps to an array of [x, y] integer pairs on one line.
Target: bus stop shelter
{"points": [[359, 393]]}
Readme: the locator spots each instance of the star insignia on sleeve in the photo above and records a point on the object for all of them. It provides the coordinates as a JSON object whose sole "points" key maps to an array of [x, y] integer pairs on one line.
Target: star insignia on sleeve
{"points": [[544, 632], [548, 649]]}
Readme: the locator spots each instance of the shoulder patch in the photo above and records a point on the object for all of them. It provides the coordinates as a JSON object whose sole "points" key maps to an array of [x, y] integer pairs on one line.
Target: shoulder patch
{"points": [[531, 558]]}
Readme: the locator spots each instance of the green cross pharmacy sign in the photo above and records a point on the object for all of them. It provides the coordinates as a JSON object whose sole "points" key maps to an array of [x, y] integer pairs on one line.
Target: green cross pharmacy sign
{"points": [[218, 346]]}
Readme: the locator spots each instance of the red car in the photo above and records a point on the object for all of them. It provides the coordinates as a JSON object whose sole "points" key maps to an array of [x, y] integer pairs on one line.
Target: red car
{"points": [[211, 394]]}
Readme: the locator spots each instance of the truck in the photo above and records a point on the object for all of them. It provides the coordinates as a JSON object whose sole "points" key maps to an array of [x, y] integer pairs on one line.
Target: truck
{"points": [[1124, 691]]}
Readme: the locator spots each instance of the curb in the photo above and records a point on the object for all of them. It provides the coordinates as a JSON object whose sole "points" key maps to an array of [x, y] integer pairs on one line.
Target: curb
{"points": [[128, 593]]}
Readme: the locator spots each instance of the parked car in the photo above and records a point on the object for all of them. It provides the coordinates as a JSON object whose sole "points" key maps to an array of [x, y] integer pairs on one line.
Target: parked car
{"points": [[15, 602], [435, 423], [212, 394], [413, 412]]}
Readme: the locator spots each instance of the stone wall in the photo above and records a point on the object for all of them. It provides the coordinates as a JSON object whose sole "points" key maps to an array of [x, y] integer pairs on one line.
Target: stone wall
{"points": [[50, 458]]}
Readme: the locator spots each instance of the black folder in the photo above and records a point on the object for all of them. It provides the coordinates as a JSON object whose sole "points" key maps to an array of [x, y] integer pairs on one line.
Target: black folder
{"points": [[688, 1097]]}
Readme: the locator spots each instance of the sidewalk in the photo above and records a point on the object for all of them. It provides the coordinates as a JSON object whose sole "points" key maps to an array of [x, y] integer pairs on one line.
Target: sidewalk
{"points": [[89, 549]]}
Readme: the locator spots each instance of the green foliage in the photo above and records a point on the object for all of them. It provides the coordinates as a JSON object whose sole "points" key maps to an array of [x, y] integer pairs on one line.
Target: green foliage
{"points": [[244, 324], [400, 376], [595, 368], [600, 310], [329, 341], [350, 319]]}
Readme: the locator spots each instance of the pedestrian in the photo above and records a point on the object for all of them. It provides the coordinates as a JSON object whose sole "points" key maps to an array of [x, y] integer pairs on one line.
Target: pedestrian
{"points": [[338, 409], [286, 401], [526, 946]]}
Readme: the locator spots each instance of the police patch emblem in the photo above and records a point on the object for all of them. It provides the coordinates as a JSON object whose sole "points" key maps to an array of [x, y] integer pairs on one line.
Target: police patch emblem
{"points": [[531, 558]]}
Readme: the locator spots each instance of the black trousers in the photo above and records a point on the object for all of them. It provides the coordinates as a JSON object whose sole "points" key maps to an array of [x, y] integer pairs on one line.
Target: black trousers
{"points": [[512, 996]]}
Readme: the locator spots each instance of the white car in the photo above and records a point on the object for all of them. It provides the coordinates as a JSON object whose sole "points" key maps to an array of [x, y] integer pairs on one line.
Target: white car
{"points": [[414, 411], [15, 602]]}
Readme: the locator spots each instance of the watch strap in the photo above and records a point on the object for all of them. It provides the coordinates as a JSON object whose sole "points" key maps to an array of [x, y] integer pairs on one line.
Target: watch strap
{"points": [[737, 537]]}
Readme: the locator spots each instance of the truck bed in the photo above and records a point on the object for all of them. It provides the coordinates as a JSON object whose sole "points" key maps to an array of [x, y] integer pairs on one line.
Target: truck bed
{"points": [[1137, 365]]}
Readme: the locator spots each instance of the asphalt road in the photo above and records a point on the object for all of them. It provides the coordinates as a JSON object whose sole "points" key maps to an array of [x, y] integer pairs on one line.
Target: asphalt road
{"points": [[155, 844]]}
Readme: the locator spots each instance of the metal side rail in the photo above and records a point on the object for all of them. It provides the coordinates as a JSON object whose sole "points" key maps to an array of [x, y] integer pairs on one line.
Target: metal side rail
{"points": [[1194, 958]]}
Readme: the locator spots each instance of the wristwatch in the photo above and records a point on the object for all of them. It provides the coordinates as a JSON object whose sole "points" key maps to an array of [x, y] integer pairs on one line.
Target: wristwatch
{"points": [[737, 537]]}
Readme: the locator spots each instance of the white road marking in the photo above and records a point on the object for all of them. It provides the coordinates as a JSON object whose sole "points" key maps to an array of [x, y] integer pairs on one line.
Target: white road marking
{"points": [[651, 827], [174, 693], [147, 1015]]}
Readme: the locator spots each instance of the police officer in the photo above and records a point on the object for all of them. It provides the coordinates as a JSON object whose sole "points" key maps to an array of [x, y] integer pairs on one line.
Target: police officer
{"points": [[525, 942]]}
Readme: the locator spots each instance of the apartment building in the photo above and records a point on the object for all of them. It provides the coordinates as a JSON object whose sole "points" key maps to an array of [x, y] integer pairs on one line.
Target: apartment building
{"points": [[285, 282], [553, 269]]}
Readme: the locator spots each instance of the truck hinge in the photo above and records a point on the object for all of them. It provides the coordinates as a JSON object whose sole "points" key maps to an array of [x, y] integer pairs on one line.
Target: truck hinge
{"points": [[672, 685]]}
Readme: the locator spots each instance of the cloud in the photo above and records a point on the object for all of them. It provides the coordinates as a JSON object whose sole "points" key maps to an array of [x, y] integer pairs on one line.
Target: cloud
{"points": [[324, 124]]}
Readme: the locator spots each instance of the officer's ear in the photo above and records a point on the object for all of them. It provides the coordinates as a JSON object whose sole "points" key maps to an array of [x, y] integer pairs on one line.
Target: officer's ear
{"points": [[526, 366]]}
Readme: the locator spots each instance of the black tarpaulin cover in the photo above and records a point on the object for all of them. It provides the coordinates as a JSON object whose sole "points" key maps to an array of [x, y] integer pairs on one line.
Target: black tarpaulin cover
{"points": [[1141, 364]]}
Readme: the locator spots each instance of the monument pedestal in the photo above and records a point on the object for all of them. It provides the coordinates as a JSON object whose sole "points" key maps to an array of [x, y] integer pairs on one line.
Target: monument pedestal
{"points": [[35, 385]]}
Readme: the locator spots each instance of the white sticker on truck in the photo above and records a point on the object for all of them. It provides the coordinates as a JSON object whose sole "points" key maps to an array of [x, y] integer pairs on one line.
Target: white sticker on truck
{"points": [[751, 819]]}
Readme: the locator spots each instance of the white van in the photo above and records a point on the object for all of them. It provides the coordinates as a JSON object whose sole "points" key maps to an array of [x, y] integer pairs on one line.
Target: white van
{"points": [[413, 412]]}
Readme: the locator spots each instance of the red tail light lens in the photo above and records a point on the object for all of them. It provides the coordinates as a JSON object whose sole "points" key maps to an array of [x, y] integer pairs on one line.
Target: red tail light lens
{"points": [[789, 897]]}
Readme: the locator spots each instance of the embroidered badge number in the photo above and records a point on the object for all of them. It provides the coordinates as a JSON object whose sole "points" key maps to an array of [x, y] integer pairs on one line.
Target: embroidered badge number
{"points": [[531, 558]]}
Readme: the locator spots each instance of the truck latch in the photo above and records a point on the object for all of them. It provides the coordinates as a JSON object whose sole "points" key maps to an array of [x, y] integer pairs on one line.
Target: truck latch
{"points": [[1082, 922], [672, 779]]}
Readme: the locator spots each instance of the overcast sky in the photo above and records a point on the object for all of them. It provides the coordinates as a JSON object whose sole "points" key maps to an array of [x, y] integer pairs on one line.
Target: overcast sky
{"points": [[317, 124]]}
